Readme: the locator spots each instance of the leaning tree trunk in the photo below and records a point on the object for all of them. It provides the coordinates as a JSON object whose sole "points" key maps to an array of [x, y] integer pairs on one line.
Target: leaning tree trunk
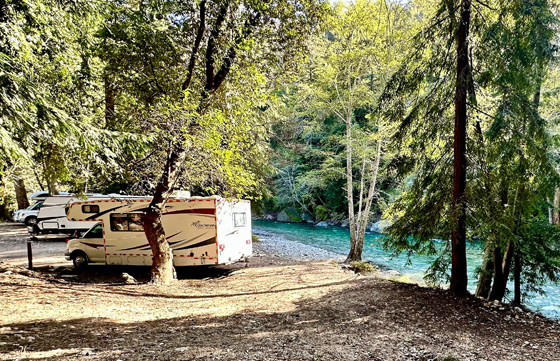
{"points": [[486, 273], [458, 238], [162, 259], [501, 272], [21, 192]]}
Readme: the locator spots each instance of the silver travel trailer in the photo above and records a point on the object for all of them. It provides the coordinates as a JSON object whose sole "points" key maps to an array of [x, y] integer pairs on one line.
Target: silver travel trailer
{"points": [[28, 215], [51, 217], [200, 231]]}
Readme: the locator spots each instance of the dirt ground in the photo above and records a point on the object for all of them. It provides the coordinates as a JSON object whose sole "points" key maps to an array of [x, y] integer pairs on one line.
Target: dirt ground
{"points": [[274, 309], [47, 250]]}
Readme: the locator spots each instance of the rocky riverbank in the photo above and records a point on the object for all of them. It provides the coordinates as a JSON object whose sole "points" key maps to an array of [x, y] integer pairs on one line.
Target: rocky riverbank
{"points": [[276, 245]]}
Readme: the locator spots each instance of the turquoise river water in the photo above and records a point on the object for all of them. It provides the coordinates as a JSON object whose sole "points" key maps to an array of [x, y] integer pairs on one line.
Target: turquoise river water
{"points": [[336, 239]]}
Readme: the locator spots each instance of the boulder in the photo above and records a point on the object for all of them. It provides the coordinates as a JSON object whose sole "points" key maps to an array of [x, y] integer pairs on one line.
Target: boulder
{"points": [[344, 223], [322, 224], [288, 215], [127, 278], [307, 218], [380, 226]]}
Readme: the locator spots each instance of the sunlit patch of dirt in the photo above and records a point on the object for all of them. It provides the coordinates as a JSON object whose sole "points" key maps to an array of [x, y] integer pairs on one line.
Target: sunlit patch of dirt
{"points": [[273, 310]]}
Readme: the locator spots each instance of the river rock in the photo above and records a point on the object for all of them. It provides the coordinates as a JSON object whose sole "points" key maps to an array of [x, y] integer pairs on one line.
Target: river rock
{"points": [[380, 226], [344, 223], [127, 278], [269, 217], [307, 218], [288, 215], [322, 224]]}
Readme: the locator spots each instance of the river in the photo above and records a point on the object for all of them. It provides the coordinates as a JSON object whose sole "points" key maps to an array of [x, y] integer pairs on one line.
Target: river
{"points": [[336, 239]]}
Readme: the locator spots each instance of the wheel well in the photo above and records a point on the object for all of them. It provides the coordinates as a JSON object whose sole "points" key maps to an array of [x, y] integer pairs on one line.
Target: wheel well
{"points": [[78, 252]]}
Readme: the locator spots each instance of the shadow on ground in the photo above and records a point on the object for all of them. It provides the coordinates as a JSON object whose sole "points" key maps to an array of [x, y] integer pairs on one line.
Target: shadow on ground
{"points": [[369, 320]]}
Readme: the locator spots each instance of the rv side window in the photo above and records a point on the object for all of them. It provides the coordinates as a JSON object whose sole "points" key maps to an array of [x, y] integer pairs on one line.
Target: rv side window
{"points": [[239, 220], [136, 222], [127, 222], [90, 208]]}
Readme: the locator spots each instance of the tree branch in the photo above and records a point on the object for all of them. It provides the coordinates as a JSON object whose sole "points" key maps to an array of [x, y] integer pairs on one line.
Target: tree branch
{"points": [[209, 86], [232, 52], [196, 45]]}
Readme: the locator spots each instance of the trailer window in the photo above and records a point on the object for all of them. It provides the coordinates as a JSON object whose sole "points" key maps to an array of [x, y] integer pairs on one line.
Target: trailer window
{"points": [[133, 222], [239, 220], [90, 208]]}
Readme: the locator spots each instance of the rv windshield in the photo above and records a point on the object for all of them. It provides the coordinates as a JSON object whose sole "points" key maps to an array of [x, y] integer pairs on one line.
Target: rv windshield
{"points": [[95, 232]]}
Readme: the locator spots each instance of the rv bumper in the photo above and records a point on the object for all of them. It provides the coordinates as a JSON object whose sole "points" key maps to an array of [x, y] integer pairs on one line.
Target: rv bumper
{"points": [[67, 256]]}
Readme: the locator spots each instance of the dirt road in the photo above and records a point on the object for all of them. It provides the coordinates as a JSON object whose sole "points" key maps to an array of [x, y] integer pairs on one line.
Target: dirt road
{"points": [[47, 250]]}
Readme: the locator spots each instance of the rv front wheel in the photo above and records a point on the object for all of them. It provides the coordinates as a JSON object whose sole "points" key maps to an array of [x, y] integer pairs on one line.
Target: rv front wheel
{"points": [[80, 261]]}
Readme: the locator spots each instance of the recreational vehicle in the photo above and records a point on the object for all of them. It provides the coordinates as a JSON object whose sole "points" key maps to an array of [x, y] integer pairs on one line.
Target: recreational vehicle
{"points": [[51, 217], [28, 215], [200, 231]]}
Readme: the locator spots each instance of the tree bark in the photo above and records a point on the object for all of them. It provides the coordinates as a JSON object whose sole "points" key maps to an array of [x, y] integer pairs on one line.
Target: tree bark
{"points": [[486, 273], [517, 276], [4, 213], [21, 192], [162, 260], [361, 220], [109, 102], [353, 254], [458, 238], [501, 272], [196, 45]]}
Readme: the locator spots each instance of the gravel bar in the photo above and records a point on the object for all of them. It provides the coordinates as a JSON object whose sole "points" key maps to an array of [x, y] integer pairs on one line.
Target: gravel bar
{"points": [[272, 244]]}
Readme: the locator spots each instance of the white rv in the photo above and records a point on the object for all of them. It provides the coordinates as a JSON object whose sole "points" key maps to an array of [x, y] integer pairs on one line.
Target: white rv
{"points": [[200, 231]]}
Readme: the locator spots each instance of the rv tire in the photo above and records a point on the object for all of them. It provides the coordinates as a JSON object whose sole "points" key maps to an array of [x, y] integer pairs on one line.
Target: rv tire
{"points": [[80, 260]]}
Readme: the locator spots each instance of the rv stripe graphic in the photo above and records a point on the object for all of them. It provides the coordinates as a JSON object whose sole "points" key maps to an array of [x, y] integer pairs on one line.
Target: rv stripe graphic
{"points": [[147, 245], [93, 245], [211, 211], [199, 244]]}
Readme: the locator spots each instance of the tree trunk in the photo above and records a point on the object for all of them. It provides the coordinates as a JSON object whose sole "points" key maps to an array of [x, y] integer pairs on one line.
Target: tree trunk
{"points": [[517, 276], [501, 272], [38, 180], [51, 185], [162, 261], [109, 102], [4, 212], [555, 204], [21, 192], [355, 253], [458, 238], [357, 247], [549, 211], [486, 273]]}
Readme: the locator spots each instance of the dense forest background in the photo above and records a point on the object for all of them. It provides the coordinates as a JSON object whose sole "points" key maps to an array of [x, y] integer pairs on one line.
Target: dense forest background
{"points": [[339, 112]]}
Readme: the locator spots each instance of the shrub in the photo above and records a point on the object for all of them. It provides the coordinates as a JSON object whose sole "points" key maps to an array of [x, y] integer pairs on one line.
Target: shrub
{"points": [[362, 267]]}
